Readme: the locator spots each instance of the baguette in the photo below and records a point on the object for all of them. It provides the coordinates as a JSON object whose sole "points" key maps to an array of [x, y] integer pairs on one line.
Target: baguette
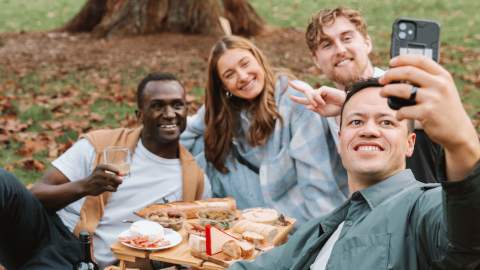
{"points": [[190, 209], [267, 231]]}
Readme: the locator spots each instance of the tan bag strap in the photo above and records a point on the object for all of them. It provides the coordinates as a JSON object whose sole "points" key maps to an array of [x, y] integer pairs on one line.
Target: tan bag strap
{"points": [[192, 176], [193, 184]]}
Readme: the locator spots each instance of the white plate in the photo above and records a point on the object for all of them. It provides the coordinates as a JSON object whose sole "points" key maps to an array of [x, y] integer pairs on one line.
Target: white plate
{"points": [[174, 237]]}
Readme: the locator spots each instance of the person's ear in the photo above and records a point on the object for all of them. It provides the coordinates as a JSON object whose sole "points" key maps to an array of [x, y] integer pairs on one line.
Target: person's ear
{"points": [[339, 141], [368, 43], [410, 144], [139, 115], [315, 61]]}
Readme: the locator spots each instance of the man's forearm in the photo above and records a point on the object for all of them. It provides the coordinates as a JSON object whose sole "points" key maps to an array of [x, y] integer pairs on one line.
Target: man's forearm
{"points": [[461, 159], [462, 211], [56, 197]]}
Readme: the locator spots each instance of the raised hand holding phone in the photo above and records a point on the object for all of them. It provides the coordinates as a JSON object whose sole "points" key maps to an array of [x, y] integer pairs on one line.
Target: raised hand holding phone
{"points": [[413, 37]]}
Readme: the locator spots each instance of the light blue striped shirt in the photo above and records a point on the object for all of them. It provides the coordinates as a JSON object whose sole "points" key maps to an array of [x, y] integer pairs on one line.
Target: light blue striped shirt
{"points": [[301, 174]]}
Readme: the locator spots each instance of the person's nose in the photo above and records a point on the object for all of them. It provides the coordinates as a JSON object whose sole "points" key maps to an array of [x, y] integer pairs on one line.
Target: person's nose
{"points": [[169, 112], [242, 75], [370, 129], [340, 47]]}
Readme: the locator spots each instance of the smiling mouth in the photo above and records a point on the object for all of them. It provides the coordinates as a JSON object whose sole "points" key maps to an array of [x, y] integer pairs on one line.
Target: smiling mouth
{"points": [[248, 86], [343, 62], [368, 148], [170, 126]]}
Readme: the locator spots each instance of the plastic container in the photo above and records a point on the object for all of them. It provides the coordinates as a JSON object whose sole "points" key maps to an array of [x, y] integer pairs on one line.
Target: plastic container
{"points": [[168, 219], [220, 218]]}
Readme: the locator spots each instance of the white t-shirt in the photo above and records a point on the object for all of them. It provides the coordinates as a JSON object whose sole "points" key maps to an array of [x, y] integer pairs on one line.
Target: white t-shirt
{"points": [[151, 179], [324, 254]]}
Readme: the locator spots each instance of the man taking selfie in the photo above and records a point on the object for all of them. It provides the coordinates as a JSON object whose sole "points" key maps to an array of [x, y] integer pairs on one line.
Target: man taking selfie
{"points": [[391, 220]]}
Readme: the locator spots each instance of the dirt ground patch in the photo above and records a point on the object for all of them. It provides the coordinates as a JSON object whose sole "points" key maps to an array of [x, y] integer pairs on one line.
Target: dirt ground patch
{"points": [[184, 55]]}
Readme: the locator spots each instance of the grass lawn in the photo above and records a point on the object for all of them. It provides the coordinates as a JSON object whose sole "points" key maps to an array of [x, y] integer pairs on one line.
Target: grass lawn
{"points": [[24, 15], [460, 54]]}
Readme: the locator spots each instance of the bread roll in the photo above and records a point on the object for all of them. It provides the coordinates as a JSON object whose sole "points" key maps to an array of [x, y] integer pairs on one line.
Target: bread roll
{"points": [[267, 231], [232, 249], [247, 249]]}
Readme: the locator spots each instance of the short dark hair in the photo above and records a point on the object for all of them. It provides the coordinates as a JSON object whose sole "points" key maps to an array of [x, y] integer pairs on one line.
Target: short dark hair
{"points": [[160, 76], [359, 86]]}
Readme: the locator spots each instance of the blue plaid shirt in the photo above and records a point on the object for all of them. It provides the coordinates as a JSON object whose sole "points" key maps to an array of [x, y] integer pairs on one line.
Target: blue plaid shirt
{"points": [[300, 171]]}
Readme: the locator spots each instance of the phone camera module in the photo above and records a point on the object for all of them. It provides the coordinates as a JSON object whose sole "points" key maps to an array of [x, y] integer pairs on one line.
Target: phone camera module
{"points": [[402, 35]]}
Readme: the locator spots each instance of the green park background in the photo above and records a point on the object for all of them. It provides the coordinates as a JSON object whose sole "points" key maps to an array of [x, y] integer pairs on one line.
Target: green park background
{"points": [[460, 36]]}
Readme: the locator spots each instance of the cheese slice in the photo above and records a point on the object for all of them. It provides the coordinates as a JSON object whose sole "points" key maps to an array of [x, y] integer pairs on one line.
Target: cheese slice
{"points": [[197, 243], [215, 238]]}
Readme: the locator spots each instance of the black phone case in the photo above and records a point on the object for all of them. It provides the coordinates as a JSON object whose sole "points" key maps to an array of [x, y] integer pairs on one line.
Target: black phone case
{"points": [[427, 35]]}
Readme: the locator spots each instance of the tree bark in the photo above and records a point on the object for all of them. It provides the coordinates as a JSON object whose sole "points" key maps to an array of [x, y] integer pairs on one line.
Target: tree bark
{"points": [[243, 18], [88, 17], [135, 17]]}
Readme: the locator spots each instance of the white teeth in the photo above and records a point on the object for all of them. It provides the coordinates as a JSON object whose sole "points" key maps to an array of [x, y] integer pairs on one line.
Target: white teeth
{"points": [[247, 86], [168, 126], [343, 62], [368, 148]]}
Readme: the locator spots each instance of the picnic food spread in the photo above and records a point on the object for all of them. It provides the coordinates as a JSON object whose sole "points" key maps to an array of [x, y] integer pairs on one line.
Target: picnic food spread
{"points": [[213, 230]]}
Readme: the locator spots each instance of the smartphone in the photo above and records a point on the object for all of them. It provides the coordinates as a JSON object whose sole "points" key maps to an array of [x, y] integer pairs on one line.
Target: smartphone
{"points": [[413, 36]]}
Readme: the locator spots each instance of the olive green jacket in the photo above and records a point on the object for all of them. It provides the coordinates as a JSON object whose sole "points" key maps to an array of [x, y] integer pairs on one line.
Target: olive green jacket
{"points": [[398, 223]]}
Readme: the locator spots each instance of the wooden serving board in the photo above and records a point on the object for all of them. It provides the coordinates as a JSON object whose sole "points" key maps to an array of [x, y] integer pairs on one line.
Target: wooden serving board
{"points": [[181, 253]]}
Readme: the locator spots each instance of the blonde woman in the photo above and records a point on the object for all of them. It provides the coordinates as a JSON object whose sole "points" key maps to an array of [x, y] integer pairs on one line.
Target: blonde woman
{"points": [[258, 146]]}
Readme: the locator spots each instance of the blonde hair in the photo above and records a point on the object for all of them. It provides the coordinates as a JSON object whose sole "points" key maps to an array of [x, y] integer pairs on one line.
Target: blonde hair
{"points": [[222, 112], [326, 17]]}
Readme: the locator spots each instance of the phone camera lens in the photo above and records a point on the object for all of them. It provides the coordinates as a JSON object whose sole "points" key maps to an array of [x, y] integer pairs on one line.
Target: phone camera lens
{"points": [[402, 35], [402, 26]]}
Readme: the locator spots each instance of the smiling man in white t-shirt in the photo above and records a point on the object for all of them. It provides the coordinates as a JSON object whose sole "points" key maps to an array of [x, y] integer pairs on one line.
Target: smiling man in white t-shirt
{"points": [[78, 184]]}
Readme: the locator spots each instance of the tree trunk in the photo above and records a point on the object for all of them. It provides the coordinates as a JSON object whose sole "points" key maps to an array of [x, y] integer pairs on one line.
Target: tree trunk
{"points": [[88, 17], [243, 18], [134, 17]]}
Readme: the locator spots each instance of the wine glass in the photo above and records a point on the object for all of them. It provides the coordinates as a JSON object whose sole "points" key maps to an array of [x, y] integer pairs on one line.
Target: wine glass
{"points": [[119, 158]]}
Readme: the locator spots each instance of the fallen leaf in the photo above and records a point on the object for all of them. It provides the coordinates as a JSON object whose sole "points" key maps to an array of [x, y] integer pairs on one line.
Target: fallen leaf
{"points": [[32, 164]]}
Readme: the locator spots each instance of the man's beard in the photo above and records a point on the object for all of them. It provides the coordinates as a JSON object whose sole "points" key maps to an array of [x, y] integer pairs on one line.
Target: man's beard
{"points": [[347, 78]]}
